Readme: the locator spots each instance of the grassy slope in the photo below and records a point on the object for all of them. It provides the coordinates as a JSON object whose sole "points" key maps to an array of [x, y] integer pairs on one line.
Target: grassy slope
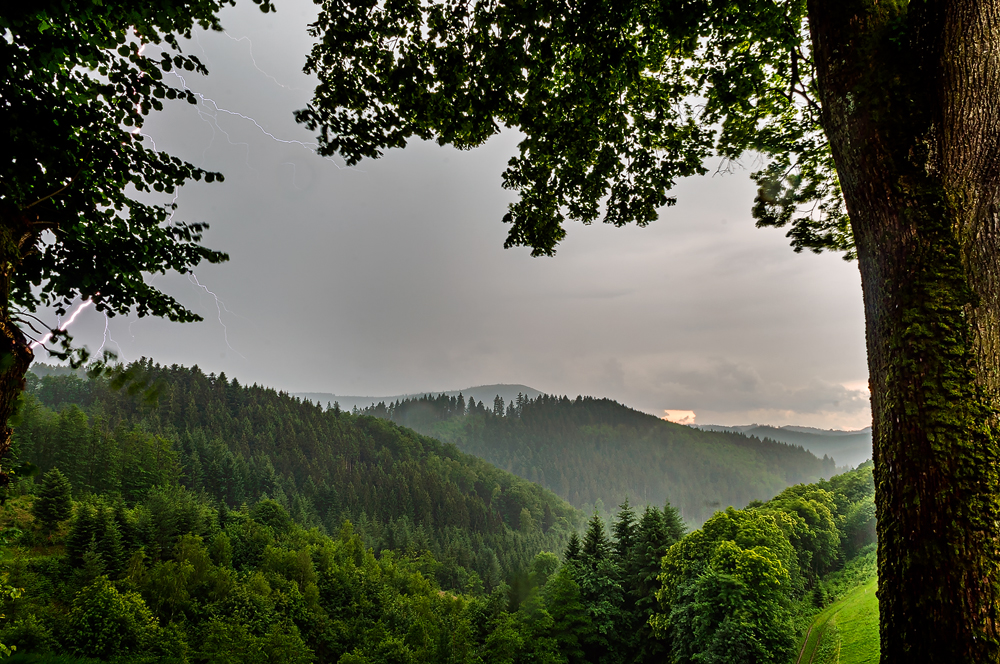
{"points": [[846, 632]]}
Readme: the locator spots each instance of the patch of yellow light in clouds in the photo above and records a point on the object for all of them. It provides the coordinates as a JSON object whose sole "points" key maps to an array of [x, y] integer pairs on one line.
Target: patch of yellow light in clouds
{"points": [[679, 416]]}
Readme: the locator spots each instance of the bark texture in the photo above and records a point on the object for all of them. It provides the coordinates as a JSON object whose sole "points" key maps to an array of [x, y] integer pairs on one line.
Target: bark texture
{"points": [[911, 102], [17, 233]]}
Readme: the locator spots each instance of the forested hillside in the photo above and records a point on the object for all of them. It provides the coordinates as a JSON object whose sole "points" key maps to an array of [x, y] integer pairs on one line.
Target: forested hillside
{"points": [[588, 450], [174, 426], [479, 392], [179, 517], [177, 577]]}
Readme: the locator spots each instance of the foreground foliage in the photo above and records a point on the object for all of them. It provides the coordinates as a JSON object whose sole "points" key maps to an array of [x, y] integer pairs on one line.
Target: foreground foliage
{"points": [[177, 576], [735, 590]]}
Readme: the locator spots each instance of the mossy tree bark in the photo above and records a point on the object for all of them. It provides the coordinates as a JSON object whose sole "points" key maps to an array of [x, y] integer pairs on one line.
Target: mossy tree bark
{"points": [[911, 104]]}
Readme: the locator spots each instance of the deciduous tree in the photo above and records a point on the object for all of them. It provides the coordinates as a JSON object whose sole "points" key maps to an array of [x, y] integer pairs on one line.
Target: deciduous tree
{"points": [[880, 122], [76, 219]]}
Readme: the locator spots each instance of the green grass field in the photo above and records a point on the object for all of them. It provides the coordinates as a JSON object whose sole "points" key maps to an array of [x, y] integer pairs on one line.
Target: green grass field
{"points": [[846, 632]]}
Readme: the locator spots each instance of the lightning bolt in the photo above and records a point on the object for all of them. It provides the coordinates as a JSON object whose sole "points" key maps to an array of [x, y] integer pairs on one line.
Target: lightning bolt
{"points": [[219, 306], [108, 337], [213, 123], [212, 119], [294, 173], [211, 116], [311, 147], [256, 66], [62, 326], [208, 100]]}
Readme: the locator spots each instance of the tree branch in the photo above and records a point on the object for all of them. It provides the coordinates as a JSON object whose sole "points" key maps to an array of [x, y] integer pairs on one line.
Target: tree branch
{"points": [[57, 191]]}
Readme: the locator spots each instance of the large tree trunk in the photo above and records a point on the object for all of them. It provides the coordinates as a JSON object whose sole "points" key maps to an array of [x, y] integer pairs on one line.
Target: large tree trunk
{"points": [[911, 102], [15, 357], [15, 353]]}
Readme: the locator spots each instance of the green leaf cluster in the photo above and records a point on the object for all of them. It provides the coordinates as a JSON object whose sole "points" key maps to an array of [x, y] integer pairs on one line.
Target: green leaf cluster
{"points": [[79, 80], [734, 590], [614, 101]]}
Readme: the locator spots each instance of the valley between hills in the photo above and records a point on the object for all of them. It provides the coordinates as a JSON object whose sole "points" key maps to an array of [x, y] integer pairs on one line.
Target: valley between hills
{"points": [[218, 522]]}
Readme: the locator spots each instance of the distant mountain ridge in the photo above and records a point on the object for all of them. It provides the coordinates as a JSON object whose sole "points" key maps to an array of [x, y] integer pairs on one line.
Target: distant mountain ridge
{"points": [[595, 453], [508, 392], [847, 448], [744, 428]]}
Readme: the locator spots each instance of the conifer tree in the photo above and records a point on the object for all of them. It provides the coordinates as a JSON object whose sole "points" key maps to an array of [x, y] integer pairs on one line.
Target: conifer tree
{"points": [[652, 541], [653, 538], [571, 621], [81, 533], [92, 565], [572, 554], [595, 542], [127, 527], [673, 523], [54, 502], [624, 530], [109, 542]]}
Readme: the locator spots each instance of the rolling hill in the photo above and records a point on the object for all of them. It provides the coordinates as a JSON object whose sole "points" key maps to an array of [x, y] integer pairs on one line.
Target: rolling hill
{"points": [[597, 452], [154, 425]]}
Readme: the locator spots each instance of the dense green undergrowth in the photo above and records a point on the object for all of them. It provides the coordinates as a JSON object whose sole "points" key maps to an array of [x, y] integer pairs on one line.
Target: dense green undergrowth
{"points": [[138, 552], [176, 579]]}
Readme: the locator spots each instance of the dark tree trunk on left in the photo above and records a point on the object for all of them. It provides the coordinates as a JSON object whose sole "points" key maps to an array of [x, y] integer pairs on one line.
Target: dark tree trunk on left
{"points": [[16, 233]]}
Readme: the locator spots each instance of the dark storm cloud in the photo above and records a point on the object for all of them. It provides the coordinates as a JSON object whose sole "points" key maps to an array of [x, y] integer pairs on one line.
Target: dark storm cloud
{"points": [[390, 278]]}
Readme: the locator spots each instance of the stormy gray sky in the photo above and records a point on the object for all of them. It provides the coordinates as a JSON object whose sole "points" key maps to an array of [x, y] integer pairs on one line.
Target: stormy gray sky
{"points": [[391, 278]]}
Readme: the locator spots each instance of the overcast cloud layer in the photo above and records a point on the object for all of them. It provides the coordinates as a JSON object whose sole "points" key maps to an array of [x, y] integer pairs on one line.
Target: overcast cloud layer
{"points": [[391, 278]]}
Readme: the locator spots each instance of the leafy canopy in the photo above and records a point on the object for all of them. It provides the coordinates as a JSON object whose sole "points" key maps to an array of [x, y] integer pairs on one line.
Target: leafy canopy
{"points": [[616, 100], [80, 78]]}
